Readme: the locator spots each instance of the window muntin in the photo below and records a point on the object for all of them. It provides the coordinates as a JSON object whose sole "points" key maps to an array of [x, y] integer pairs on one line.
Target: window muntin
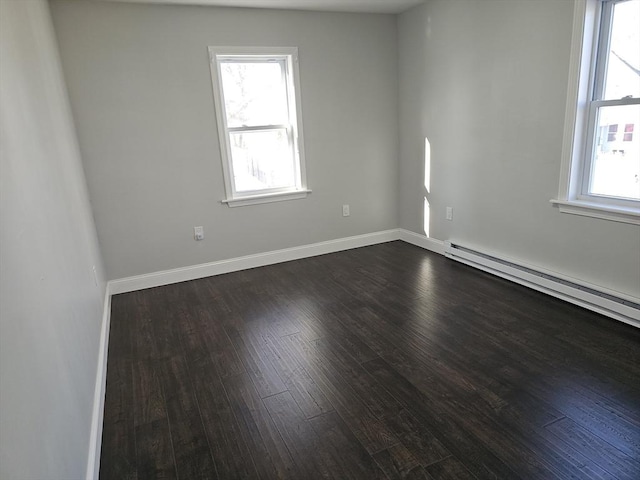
{"points": [[256, 91], [611, 169]]}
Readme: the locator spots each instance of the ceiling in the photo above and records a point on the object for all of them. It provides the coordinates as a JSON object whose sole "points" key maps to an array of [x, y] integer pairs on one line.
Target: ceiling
{"points": [[371, 6]]}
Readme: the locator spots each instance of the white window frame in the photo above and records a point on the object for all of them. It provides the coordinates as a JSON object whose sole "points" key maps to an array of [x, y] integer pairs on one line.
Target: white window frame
{"points": [[586, 77], [288, 56]]}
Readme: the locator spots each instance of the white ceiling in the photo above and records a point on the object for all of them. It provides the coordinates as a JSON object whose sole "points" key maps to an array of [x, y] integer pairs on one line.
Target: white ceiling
{"points": [[372, 6]]}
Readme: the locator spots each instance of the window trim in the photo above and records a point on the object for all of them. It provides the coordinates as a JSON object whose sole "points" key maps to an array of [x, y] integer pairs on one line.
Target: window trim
{"points": [[579, 130], [288, 55]]}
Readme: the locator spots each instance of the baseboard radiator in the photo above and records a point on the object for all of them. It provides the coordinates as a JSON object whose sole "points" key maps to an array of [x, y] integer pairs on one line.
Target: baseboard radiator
{"points": [[612, 304]]}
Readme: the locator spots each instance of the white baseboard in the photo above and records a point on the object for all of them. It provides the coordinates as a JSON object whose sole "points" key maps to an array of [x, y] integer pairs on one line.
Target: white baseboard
{"points": [[431, 244], [95, 439], [194, 272]]}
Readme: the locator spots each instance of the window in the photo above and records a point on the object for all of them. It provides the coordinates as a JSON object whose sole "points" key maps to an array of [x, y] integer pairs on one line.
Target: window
{"points": [[601, 156], [628, 133], [257, 99]]}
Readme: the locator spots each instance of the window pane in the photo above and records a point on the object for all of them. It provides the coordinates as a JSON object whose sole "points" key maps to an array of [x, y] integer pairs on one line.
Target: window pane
{"points": [[616, 162], [628, 133], [262, 159], [254, 93], [622, 77]]}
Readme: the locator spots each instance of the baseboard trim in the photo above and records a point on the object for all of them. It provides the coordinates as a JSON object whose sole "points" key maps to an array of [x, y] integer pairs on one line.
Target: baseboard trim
{"points": [[95, 438], [431, 244], [194, 272]]}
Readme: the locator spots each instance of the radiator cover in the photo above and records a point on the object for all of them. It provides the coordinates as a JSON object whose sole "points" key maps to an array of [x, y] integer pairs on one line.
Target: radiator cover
{"points": [[607, 302]]}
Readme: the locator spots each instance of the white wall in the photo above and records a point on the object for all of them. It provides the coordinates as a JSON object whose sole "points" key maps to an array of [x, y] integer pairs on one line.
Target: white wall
{"points": [[50, 308], [140, 90], [486, 82]]}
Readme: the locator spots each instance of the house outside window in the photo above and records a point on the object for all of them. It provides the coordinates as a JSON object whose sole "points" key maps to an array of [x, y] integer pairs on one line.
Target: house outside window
{"points": [[257, 99]]}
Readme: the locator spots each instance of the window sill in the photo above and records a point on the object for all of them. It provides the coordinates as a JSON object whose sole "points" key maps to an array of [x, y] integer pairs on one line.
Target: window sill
{"points": [[266, 198], [598, 210]]}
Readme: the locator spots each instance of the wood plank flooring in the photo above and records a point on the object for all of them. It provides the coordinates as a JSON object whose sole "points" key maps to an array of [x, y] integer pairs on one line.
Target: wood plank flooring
{"points": [[384, 362]]}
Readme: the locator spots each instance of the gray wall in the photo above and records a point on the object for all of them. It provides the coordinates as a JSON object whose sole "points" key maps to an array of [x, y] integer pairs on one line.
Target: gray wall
{"points": [[140, 90], [486, 82], [50, 307]]}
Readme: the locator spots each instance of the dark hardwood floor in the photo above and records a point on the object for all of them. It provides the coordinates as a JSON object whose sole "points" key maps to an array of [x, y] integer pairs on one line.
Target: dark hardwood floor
{"points": [[382, 362]]}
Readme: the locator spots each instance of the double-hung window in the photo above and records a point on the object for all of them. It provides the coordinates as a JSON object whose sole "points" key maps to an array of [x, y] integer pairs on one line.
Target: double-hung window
{"points": [[257, 99], [601, 156]]}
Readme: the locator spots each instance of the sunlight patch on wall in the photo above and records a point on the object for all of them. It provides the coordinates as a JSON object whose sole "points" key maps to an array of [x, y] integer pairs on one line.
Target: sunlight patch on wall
{"points": [[427, 186], [427, 216]]}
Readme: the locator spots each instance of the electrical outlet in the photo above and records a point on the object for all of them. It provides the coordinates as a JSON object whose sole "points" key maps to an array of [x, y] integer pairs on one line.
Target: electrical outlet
{"points": [[95, 275], [345, 211], [198, 233], [449, 213]]}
